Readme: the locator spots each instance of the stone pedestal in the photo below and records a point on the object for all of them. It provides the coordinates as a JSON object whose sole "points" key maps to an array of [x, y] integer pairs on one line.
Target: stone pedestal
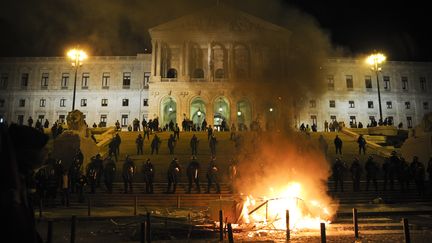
{"points": [[383, 130]]}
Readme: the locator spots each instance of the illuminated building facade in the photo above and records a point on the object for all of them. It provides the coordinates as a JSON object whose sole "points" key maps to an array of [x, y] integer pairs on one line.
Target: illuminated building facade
{"points": [[195, 65]]}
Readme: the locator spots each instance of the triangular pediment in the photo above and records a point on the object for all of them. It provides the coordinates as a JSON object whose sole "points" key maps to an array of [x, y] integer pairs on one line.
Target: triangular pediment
{"points": [[218, 19]]}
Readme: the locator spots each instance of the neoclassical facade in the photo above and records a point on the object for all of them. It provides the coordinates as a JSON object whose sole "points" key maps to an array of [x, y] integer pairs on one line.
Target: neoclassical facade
{"points": [[195, 69]]}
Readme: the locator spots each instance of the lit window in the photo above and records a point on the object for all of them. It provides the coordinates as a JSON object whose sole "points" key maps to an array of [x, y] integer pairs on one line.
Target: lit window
{"points": [[124, 120], [104, 102], [83, 102], [85, 80], [422, 83], [389, 105], [312, 104], [24, 80], [4, 80], [407, 105], [370, 104], [349, 82], [65, 80], [44, 80], [146, 79], [126, 80], [368, 82], [404, 83], [105, 80], [351, 104], [332, 104], [145, 102], [42, 102], [353, 120], [386, 80], [62, 102], [409, 122], [125, 102]]}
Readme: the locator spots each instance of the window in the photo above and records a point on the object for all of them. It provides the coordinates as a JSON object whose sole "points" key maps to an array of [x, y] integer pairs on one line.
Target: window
{"points": [[314, 119], [126, 80], [61, 118], [105, 80], [83, 102], [62, 102], [368, 82], [219, 73], [2, 102], [330, 82], [352, 120], [422, 83], [103, 120], [407, 105], [333, 118], [199, 73], [145, 102], [124, 120], [42, 102], [386, 80], [85, 80], [125, 102], [425, 105], [389, 105], [41, 118], [409, 121], [332, 104], [370, 105], [44, 80], [24, 80], [390, 120], [4, 80], [172, 73], [146, 79], [312, 104], [21, 103], [349, 82], [65, 80], [351, 104], [372, 119], [404, 83], [104, 102]]}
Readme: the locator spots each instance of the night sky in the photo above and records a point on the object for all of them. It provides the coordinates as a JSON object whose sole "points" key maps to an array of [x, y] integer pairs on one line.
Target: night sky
{"points": [[114, 27]]}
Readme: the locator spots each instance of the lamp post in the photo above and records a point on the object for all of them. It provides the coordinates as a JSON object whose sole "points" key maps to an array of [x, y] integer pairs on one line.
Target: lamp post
{"points": [[76, 56], [374, 61]]}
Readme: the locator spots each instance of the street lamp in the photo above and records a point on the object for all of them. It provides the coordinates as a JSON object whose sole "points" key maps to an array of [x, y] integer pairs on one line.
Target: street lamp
{"points": [[76, 56], [374, 61]]}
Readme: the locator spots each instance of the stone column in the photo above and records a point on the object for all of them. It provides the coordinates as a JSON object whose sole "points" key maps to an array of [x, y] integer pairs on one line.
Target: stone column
{"points": [[230, 71], [210, 62], [153, 63], [187, 61], [158, 61]]}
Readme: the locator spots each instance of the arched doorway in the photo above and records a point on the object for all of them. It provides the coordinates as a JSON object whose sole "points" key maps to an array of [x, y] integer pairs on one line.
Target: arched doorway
{"points": [[168, 111], [221, 115], [197, 112], [244, 114]]}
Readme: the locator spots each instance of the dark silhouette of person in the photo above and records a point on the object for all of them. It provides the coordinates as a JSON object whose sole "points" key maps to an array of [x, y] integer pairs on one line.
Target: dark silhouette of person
{"points": [[139, 144], [171, 144], [213, 176], [149, 172], [173, 175], [356, 172], [155, 144], [362, 144], [194, 144], [110, 169], [338, 170], [212, 144], [21, 152], [338, 144], [192, 172], [128, 174], [371, 168]]}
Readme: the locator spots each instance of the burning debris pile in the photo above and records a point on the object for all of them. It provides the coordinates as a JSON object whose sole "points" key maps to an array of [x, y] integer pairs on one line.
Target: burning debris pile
{"points": [[283, 178]]}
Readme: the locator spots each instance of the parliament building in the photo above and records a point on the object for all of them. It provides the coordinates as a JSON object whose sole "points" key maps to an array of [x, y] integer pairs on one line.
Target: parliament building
{"points": [[193, 71]]}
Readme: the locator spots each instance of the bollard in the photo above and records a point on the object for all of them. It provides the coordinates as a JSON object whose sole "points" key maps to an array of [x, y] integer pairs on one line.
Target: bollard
{"points": [[88, 207], [355, 222], [288, 235], [73, 229], [178, 201], [148, 228], [230, 234], [323, 233], [50, 231], [143, 232], [220, 225], [135, 206], [406, 230]]}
